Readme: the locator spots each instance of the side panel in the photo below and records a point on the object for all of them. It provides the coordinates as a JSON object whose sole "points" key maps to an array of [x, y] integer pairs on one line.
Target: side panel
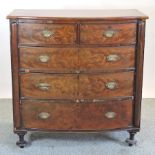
{"points": [[15, 77], [139, 72]]}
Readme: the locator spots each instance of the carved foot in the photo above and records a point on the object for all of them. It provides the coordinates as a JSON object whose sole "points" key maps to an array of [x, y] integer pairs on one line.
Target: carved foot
{"points": [[131, 141], [21, 143]]}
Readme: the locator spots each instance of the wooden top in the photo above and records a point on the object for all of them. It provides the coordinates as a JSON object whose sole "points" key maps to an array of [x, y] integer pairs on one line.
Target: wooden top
{"points": [[77, 14]]}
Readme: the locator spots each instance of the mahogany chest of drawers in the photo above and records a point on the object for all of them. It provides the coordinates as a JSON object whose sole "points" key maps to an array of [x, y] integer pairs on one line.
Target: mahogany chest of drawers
{"points": [[77, 70]]}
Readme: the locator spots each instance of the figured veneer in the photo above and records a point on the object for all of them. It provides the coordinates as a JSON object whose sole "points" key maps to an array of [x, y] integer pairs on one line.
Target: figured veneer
{"points": [[43, 58], [108, 34], [47, 34], [106, 58], [46, 86], [77, 116], [77, 70], [96, 86]]}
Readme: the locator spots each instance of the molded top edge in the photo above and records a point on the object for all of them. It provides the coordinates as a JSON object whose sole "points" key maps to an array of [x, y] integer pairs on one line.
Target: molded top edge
{"points": [[77, 14]]}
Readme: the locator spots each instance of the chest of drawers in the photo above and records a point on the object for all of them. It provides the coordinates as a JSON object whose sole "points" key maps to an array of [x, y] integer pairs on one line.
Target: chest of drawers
{"points": [[77, 70]]}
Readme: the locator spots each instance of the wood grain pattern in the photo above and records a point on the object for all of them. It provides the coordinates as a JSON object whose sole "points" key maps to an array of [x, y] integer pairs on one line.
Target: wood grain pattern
{"points": [[72, 116], [94, 34], [71, 87], [15, 77], [60, 86], [68, 86], [94, 86], [32, 34], [68, 59], [96, 58], [60, 59]]}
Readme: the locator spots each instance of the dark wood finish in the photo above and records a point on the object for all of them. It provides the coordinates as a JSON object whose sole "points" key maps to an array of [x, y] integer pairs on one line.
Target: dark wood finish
{"points": [[66, 86], [96, 58], [139, 72], [33, 34], [59, 59], [21, 143], [66, 59], [15, 77], [131, 141], [63, 80], [94, 86], [73, 116], [60, 86], [94, 34]]}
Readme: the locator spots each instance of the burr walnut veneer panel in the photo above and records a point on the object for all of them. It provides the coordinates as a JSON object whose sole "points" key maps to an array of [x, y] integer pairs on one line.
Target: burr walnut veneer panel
{"points": [[77, 70]]}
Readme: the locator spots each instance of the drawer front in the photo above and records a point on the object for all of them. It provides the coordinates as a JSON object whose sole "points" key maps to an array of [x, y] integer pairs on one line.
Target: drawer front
{"points": [[46, 86], [47, 33], [106, 58], [108, 34], [56, 59], [106, 85], [72, 116]]}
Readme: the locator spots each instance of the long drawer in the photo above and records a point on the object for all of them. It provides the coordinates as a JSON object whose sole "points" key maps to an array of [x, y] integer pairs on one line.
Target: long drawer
{"points": [[72, 86], [72, 59], [73, 116]]}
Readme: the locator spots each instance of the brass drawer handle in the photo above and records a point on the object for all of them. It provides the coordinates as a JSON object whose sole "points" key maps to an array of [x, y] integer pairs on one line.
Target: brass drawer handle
{"points": [[43, 115], [77, 71], [112, 58], [43, 86], [109, 33], [47, 33], [44, 58], [111, 85], [110, 115], [77, 101]]}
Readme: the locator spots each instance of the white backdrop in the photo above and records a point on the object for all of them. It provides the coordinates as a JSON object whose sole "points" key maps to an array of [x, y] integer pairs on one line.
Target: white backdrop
{"points": [[146, 6]]}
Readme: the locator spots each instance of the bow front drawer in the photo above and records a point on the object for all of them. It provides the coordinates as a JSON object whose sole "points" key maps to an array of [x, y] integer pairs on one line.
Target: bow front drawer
{"points": [[46, 34], [108, 34], [73, 116]]}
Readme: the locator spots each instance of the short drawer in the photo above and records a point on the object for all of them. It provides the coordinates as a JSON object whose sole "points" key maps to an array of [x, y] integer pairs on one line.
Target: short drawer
{"points": [[109, 85], [48, 86], [108, 34], [73, 116], [53, 59], [106, 58], [47, 33]]}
